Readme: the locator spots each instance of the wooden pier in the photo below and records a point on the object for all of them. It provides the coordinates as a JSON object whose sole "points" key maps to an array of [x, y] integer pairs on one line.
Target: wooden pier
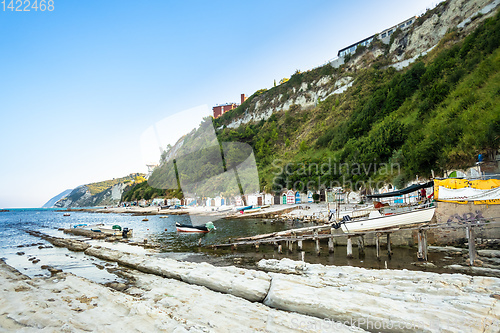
{"points": [[295, 238]]}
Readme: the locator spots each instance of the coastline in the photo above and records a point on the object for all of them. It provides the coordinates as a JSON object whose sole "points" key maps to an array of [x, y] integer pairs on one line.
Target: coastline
{"points": [[282, 295], [305, 210]]}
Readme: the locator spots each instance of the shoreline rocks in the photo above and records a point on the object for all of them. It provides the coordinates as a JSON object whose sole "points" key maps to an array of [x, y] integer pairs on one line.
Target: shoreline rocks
{"points": [[428, 302]]}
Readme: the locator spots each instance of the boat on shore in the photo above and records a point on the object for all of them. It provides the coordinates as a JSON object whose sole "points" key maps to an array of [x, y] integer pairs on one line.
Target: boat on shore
{"points": [[251, 209], [114, 230], [378, 221], [209, 226], [383, 216]]}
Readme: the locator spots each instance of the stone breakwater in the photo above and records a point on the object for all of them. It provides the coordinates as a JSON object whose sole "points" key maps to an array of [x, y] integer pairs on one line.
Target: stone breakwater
{"points": [[388, 300]]}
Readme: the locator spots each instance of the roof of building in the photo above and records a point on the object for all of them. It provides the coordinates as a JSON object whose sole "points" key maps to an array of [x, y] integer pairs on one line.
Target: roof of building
{"points": [[361, 41]]}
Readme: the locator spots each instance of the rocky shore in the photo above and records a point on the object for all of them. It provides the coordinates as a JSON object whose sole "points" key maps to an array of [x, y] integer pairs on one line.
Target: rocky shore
{"points": [[285, 295]]}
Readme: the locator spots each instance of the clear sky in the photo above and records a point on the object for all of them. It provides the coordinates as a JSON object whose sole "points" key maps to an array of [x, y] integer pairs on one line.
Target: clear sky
{"points": [[80, 84]]}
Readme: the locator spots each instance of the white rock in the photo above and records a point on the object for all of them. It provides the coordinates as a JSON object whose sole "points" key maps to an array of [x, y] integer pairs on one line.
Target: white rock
{"points": [[394, 298]]}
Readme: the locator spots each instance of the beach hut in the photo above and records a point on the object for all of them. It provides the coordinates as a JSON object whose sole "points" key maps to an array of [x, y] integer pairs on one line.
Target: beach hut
{"points": [[290, 197], [219, 201], [254, 199], [310, 197], [158, 201], [297, 197], [322, 195], [268, 199], [277, 199]]}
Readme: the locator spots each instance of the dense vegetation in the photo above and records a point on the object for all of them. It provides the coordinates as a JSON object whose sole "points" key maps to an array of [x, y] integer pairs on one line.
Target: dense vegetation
{"points": [[143, 190], [437, 114], [99, 187]]}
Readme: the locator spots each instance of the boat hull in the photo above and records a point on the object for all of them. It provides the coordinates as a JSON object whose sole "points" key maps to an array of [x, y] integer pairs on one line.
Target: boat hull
{"points": [[184, 229], [107, 230], [390, 221], [188, 228]]}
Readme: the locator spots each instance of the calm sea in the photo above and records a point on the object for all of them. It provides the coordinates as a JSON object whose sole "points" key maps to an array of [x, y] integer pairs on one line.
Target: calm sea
{"points": [[17, 247]]}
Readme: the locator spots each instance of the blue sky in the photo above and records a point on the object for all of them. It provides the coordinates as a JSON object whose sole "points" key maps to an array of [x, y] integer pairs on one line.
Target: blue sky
{"points": [[79, 85]]}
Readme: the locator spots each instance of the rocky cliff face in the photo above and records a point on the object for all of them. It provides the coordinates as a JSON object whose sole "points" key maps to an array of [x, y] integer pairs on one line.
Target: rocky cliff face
{"points": [[432, 26], [81, 197], [406, 47]]}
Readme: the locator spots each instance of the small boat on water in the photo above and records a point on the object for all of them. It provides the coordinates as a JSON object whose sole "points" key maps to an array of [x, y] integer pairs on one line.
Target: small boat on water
{"points": [[209, 226], [145, 219], [66, 214]]}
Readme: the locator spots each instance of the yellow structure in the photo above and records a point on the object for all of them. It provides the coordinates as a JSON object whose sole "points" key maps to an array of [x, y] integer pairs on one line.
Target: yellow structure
{"points": [[468, 191]]}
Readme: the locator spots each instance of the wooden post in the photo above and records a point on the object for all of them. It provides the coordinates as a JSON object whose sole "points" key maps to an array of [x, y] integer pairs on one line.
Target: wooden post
{"points": [[257, 247], [377, 245], [420, 254], [280, 249], [299, 244], [199, 242], [318, 249], [424, 243], [472, 245], [330, 245], [361, 245], [290, 246], [349, 247], [389, 252], [302, 254]]}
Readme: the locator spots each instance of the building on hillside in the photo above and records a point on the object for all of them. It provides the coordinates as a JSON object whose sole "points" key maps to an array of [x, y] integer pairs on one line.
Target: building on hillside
{"points": [[384, 36], [243, 98], [219, 110], [352, 48]]}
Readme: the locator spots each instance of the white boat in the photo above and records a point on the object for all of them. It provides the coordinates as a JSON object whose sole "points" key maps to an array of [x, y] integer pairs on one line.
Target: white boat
{"points": [[209, 226], [114, 230], [377, 221]]}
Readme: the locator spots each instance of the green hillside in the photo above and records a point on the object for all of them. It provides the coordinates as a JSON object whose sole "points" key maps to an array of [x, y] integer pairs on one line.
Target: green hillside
{"points": [[99, 187], [389, 126], [438, 113]]}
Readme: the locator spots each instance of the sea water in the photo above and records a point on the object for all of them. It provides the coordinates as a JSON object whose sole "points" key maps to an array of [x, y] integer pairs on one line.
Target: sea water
{"points": [[17, 247]]}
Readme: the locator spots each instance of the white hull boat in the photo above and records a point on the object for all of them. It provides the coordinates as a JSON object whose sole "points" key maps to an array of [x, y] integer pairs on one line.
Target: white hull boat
{"points": [[106, 229], [377, 221]]}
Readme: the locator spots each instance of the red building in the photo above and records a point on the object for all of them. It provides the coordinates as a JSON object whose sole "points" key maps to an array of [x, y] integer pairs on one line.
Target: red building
{"points": [[219, 110]]}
